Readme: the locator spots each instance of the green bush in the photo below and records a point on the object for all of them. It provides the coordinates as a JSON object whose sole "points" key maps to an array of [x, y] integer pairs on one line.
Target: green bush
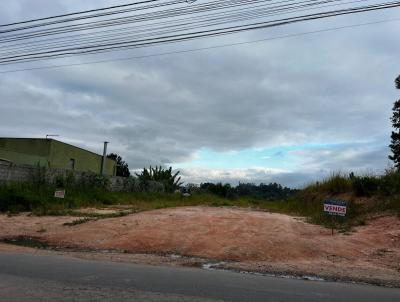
{"points": [[38, 197], [334, 184], [365, 185], [390, 183], [171, 181], [20, 197]]}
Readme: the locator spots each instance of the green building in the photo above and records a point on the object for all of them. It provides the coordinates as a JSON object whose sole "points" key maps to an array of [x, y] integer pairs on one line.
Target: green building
{"points": [[51, 153]]}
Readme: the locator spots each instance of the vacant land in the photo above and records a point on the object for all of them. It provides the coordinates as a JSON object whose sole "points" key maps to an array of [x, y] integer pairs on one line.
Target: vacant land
{"points": [[243, 239]]}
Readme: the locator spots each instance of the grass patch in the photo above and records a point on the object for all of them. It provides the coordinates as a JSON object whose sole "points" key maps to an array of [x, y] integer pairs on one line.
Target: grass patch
{"points": [[78, 221], [39, 199], [335, 184], [380, 194], [383, 191], [26, 241]]}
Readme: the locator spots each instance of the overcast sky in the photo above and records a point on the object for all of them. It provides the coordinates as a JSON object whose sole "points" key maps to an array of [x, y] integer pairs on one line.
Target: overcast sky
{"points": [[287, 110]]}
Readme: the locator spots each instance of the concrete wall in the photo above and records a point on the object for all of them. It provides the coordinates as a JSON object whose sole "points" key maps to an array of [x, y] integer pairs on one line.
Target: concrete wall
{"points": [[10, 173], [27, 173]]}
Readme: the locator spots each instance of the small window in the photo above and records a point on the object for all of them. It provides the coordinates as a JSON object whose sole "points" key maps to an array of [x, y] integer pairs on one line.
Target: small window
{"points": [[72, 164]]}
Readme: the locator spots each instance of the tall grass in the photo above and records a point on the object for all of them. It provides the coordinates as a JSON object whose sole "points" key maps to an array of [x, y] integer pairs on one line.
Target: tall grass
{"points": [[361, 186], [383, 192], [334, 184], [39, 198], [18, 197], [380, 193]]}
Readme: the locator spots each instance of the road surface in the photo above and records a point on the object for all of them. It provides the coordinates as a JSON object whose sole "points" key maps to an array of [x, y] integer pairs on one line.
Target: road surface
{"points": [[25, 277]]}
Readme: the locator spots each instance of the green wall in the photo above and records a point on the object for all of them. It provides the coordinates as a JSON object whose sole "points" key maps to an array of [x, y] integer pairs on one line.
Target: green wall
{"points": [[61, 154], [25, 151], [23, 158], [52, 154]]}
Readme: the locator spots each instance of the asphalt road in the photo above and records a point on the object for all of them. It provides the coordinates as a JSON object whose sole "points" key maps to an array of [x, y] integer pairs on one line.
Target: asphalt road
{"points": [[25, 277]]}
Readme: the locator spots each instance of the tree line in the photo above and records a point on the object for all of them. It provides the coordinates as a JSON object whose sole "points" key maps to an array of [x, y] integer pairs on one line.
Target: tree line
{"points": [[271, 191]]}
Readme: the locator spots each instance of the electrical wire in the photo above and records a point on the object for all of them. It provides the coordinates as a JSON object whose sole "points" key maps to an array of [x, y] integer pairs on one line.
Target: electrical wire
{"points": [[189, 36], [159, 23], [78, 13], [177, 25], [202, 48]]}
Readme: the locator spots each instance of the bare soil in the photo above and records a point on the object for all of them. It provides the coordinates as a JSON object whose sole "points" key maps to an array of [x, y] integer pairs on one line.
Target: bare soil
{"points": [[242, 239]]}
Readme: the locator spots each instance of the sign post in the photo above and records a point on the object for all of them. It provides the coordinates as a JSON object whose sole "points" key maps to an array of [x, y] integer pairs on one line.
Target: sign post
{"points": [[335, 208]]}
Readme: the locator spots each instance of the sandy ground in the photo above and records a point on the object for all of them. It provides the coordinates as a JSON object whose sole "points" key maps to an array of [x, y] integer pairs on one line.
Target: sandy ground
{"points": [[241, 239]]}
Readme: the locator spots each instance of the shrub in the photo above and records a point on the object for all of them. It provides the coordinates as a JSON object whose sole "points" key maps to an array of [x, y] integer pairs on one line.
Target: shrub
{"points": [[390, 183], [170, 181], [18, 197], [337, 183], [334, 184], [365, 185]]}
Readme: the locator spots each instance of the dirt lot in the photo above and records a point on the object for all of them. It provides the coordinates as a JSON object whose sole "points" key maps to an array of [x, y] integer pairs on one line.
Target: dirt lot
{"points": [[241, 239]]}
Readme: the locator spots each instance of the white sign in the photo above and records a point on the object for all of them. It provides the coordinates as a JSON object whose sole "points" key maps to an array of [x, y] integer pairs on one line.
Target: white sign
{"points": [[335, 207], [59, 194]]}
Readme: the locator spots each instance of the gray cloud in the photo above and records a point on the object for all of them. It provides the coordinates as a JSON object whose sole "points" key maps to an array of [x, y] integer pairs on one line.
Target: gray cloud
{"points": [[328, 88]]}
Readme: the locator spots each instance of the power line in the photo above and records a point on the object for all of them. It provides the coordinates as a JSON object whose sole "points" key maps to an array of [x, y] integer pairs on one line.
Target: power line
{"points": [[202, 48], [99, 48], [156, 15], [91, 16], [166, 26], [180, 37], [128, 33], [186, 19], [78, 13]]}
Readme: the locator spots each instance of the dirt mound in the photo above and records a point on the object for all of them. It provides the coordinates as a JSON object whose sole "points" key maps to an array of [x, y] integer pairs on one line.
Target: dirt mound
{"points": [[253, 237]]}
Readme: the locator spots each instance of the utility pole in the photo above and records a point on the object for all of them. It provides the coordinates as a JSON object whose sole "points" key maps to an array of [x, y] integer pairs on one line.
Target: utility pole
{"points": [[103, 163]]}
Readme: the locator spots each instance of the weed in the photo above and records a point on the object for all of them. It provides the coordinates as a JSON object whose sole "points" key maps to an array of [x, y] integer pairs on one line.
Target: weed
{"points": [[38, 198], [78, 221], [26, 241], [365, 185]]}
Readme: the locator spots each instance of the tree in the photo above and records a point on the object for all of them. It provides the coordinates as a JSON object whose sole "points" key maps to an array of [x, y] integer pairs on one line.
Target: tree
{"points": [[122, 166], [395, 143], [165, 176]]}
